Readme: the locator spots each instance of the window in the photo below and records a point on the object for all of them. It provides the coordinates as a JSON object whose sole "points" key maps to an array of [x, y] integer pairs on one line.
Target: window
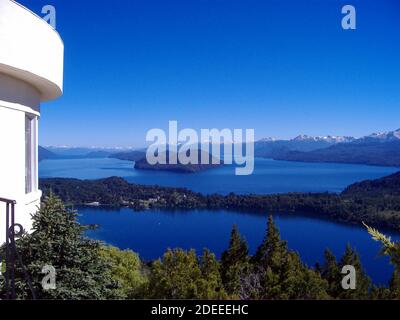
{"points": [[30, 154]]}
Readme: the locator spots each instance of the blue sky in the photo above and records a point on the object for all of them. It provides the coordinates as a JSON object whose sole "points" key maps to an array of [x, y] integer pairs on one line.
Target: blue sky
{"points": [[280, 67]]}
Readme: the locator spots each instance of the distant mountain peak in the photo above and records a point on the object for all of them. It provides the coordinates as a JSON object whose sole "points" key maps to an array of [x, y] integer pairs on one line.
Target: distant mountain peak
{"points": [[329, 138], [307, 138], [267, 139], [303, 137], [384, 136]]}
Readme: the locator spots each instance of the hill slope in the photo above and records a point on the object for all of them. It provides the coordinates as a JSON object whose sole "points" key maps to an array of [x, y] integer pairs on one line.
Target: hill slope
{"points": [[365, 152], [386, 186], [45, 154]]}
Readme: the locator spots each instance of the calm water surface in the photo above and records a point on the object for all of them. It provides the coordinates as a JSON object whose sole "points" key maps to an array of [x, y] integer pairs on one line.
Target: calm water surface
{"points": [[151, 232], [269, 176]]}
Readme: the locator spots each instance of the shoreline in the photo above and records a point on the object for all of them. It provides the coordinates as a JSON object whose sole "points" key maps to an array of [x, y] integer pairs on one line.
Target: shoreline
{"points": [[349, 207]]}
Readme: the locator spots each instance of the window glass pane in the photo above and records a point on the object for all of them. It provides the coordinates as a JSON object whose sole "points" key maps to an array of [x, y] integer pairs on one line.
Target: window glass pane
{"points": [[30, 154], [34, 155]]}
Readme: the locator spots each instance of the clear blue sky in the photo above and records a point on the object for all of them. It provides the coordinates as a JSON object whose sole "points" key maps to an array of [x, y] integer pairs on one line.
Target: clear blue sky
{"points": [[280, 67]]}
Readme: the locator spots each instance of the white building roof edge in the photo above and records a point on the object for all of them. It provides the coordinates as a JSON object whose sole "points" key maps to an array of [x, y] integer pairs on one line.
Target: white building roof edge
{"points": [[31, 50]]}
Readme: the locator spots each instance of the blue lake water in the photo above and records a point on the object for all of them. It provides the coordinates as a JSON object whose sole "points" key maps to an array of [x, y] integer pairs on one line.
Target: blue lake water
{"points": [[269, 176], [151, 232]]}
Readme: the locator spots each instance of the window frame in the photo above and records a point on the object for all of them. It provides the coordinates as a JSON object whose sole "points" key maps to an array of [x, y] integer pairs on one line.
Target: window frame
{"points": [[31, 150]]}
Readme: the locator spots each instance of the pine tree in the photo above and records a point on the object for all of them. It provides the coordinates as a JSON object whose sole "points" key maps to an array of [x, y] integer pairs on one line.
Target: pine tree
{"points": [[175, 276], [331, 273], [282, 274], [58, 240], [363, 282], [210, 285], [314, 287], [272, 250], [234, 263], [181, 274]]}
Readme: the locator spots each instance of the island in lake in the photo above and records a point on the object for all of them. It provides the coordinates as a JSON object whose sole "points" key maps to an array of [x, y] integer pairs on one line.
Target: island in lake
{"points": [[141, 163]]}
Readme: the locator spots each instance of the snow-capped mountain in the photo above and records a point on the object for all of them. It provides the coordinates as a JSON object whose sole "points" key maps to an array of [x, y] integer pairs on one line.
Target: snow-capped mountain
{"points": [[384, 136], [268, 139], [270, 147], [328, 139]]}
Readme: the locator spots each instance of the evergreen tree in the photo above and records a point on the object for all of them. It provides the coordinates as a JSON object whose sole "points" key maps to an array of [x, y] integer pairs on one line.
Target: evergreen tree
{"points": [[175, 276], [182, 275], [363, 282], [272, 250], [210, 285], [282, 274], [330, 271], [314, 287], [58, 240], [234, 263], [269, 261]]}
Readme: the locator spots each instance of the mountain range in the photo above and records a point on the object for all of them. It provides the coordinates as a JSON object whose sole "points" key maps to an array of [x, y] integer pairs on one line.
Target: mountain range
{"points": [[375, 149], [381, 149], [45, 154]]}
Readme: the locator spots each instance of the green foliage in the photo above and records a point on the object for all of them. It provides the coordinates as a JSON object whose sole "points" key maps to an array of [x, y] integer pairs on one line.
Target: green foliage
{"points": [[272, 250], [282, 274], [88, 270], [210, 284], [373, 202], [181, 275], [127, 270], [392, 249], [363, 282], [234, 263], [58, 240], [331, 272]]}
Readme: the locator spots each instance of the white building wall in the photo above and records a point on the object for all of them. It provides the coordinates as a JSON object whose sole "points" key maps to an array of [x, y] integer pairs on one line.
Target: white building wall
{"points": [[31, 71], [12, 169]]}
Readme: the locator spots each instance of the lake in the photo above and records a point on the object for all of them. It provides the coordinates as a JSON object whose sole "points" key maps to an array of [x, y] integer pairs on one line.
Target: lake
{"points": [[151, 232], [269, 176]]}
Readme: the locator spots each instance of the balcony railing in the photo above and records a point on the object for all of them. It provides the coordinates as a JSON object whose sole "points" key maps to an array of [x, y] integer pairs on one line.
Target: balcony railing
{"points": [[11, 256]]}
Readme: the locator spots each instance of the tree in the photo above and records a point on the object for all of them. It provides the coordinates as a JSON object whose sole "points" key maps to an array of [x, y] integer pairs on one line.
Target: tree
{"points": [[330, 271], [127, 270], [181, 274], [175, 275], [210, 285], [272, 250], [392, 249], [234, 263], [363, 282], [282, 274], [58, 240]]}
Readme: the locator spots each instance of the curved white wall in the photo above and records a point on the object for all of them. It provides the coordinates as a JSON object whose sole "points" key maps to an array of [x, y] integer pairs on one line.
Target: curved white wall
{"points": [[31, 71], [18, 94], [31, 50]]}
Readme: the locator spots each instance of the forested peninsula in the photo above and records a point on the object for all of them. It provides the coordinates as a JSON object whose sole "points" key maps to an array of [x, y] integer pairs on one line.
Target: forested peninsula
{"points": [[376, 202]]}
